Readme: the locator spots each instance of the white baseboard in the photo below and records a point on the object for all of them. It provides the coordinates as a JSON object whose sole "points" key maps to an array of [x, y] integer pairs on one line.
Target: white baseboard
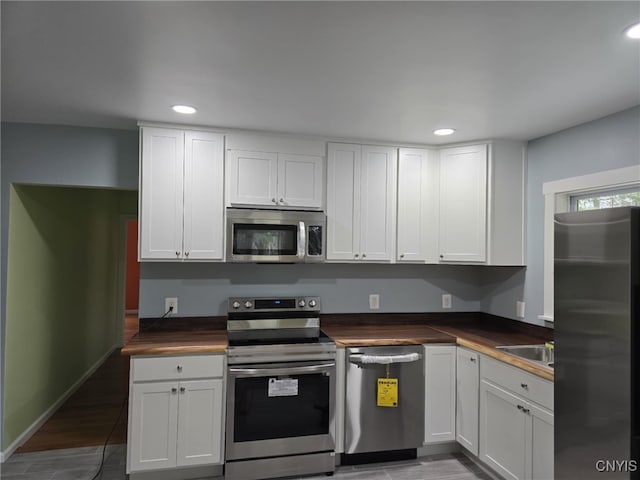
{"points": [[33, 428]]}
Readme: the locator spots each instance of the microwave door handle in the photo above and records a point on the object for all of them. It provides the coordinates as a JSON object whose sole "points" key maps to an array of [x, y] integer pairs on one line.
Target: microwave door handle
{"points": [[302, 239]]}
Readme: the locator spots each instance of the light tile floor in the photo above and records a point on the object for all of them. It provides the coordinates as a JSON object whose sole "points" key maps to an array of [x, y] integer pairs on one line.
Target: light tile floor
{"points": [[83, 464]]}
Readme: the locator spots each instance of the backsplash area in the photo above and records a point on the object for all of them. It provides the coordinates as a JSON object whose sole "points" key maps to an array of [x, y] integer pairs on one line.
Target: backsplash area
{"points": [[203, 288]]}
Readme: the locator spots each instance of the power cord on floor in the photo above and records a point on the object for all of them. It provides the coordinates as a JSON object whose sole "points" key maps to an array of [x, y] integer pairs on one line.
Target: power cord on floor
{"points": [[104, 447]]}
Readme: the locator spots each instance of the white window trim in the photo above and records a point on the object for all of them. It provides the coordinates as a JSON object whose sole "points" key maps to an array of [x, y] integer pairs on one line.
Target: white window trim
{"points": [[556, 199]]}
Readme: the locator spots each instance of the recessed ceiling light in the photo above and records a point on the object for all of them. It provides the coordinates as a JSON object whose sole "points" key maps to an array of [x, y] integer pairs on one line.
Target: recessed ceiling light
{"points": [[186, 109], [443, 131], [633, 31]]}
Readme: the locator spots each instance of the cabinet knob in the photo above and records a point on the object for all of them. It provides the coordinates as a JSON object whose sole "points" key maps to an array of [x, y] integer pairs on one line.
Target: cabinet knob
{"points": [[282, 201], [179, 368], [186, 254], [402, 255], [364, 255], [356, 255], [177, 254], [182, 389], [274, 200], [525, 386], [174, 390], [473, 360], [441, 256]]}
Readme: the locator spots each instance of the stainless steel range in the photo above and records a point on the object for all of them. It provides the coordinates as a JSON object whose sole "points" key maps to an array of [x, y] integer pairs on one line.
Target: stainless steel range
{"points": [[281, 389]]}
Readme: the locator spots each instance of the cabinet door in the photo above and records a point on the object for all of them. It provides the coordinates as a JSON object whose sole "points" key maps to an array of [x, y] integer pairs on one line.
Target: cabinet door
{"points": [[540, 459], [418, 199], [467, 399], [200, 417], [378, 202], [463, 204], [300, 181], [203, 196], [503, 427], [153, 426], [440, 393], [252, 178], [161, 191], [343, 201]]}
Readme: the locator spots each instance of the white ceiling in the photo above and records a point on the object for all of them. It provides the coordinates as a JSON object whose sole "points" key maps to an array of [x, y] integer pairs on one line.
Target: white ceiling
{"points": [[389, 71]]}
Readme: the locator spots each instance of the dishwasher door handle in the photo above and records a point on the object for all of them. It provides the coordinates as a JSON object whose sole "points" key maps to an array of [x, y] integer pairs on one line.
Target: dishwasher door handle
{"points": [[364, 359]]}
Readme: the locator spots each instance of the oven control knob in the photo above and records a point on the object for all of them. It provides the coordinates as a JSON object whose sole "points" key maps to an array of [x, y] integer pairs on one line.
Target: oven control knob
{"points": [[235, 304], [312, 303], [248, 304], [301, 303]]}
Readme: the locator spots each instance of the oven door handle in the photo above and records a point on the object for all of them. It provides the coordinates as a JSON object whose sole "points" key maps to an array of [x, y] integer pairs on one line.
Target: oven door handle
{"points": [[265, 372]]}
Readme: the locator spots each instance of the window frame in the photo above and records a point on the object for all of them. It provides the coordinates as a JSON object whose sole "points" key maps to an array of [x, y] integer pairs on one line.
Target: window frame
{"points": [[557, 199]]}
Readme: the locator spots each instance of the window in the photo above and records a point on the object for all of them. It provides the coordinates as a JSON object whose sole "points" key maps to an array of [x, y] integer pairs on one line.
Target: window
{"points": [[628, 197]]}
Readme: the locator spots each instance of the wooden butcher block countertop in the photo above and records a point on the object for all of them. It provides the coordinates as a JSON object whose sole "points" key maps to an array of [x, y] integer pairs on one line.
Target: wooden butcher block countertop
{"points": [[182, 336], [377, 335], [479, 332]]}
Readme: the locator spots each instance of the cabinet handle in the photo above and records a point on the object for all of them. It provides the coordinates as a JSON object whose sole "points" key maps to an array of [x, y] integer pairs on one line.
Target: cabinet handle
{"points": [[174, 390], [282, 201], [473, 359], [402, 255], [182, 389], [274, 200], [177, 254], [179, 368], [186, 254], [525, 386], [356, 255], [526, 410], [441, 256], [364, 255], [520, 407]]}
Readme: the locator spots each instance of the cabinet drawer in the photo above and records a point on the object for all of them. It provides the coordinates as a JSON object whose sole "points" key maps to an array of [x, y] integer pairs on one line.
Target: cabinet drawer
{"points": [[518, 381], [176, 367]]}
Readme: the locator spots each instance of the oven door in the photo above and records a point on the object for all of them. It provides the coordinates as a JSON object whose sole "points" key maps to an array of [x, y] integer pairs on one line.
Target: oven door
{"points": [[280, 409]]}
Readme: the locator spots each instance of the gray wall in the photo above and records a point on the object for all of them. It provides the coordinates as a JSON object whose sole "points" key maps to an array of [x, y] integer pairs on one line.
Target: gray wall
{"points": [[605, 144], [61, 156], [202, 289]]}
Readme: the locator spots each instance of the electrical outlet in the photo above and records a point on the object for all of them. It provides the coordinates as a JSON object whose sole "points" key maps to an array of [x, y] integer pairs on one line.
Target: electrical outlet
{"points": [[520, 309], [171, 303], [374, 301], [446, 300]]}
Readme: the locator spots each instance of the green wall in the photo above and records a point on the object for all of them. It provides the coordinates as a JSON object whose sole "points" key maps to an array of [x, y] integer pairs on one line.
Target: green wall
{"points": [[61, 314]]}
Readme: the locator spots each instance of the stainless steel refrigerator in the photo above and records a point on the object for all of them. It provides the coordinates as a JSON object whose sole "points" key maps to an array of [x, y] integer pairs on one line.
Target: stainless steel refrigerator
{"points": [[597, 308]]}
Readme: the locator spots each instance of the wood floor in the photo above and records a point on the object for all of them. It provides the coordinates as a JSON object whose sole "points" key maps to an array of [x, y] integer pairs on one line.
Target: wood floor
{"points": [[89, 415]]}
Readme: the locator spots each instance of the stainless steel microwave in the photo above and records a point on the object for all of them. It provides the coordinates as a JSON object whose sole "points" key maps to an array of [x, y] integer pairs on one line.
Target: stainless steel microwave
{"points": [[275, 236]]}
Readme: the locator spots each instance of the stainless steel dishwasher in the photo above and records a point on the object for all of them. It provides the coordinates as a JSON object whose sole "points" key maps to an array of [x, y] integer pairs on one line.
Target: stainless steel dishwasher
{"points": [[374, 428]]}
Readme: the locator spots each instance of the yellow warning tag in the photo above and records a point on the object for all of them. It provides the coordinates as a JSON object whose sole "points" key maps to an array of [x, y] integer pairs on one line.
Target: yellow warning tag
{"points": [[387, 392]]}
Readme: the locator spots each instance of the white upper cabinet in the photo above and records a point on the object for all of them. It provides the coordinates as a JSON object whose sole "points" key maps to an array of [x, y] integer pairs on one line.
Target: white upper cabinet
{"points": [[463, 204], [274, 172], [418, 205], [482, 203], [361, 202], [253, 178], [181, 195]]}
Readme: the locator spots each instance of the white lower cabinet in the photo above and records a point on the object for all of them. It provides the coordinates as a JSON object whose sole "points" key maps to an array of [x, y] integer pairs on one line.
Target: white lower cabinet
{"points": [[177, 422], [440, 393], [516, 432], [467, 398]]}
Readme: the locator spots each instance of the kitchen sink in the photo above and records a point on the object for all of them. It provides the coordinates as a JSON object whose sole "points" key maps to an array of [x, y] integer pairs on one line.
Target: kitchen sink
{"points": [[536, 353]]}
